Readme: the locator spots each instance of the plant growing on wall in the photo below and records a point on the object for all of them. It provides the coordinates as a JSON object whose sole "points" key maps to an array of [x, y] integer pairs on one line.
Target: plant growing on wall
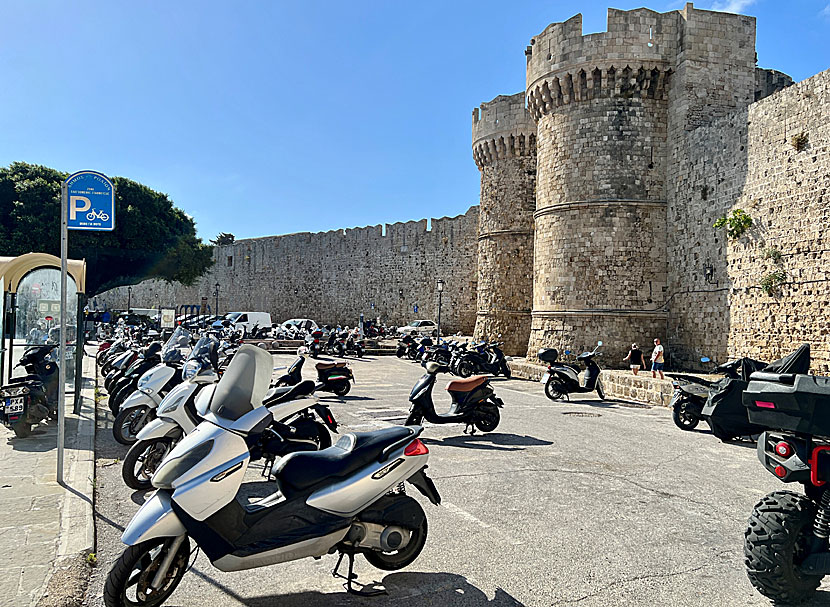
{"points": [[736, 223], [773, 254], [773, 280], [799, 142]]}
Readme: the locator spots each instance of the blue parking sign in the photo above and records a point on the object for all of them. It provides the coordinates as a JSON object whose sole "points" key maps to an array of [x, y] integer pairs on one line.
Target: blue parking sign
{"points": [[90, 201]]}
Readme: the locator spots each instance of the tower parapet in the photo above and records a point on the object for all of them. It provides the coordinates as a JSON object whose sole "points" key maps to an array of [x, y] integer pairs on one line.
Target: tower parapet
{"points": [[504, 149]]}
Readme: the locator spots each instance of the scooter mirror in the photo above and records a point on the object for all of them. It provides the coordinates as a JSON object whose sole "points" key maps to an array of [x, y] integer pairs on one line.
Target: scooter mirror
{"points": [[567, 351], [599, 343], [705, 359]]}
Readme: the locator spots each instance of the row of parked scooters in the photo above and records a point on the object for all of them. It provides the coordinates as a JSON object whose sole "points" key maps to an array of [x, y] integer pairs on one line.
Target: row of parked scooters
{"points": [[461, 358]]}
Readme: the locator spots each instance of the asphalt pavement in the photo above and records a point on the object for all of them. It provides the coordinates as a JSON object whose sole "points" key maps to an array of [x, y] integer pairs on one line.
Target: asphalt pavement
{"points": [[583, 503]]}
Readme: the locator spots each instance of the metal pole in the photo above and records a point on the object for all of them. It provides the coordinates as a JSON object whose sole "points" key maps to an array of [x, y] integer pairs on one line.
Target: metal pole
{"points": [[62, 349], [440, 294]]}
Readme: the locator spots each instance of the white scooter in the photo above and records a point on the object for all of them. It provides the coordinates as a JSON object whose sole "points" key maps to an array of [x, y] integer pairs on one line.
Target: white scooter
{"points": [[140, 407], [185, 406], [348, 498]]}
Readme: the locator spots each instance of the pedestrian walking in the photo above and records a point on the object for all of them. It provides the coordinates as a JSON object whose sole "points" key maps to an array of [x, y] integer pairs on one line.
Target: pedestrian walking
{"points": [[635, 358], [657, 359]]}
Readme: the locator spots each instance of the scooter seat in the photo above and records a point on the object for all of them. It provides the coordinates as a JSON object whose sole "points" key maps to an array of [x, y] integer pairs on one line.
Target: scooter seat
{"points": [[466, 385], [275, 396], [352, 451], [327, 366]]}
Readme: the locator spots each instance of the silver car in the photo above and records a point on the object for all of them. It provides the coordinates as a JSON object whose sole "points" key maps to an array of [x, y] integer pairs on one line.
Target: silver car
{"points": [[419, 327]]}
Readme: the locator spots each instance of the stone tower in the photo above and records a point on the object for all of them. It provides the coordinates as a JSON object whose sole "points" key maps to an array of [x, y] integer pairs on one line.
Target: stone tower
{"points": [[504, 149], [601, 106]]}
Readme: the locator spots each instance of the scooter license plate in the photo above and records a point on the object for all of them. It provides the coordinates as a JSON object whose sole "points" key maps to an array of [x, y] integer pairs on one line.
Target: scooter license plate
{"points": [[14, 405], [545, 378]]}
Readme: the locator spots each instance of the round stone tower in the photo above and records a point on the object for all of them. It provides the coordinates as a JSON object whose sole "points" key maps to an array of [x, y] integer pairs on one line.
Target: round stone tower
{"points": [[601, 106], [504, 149]]}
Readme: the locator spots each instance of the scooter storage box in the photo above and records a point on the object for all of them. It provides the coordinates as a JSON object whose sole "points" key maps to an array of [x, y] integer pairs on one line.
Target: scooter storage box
{"points": [[548, 355], [798, 403]]}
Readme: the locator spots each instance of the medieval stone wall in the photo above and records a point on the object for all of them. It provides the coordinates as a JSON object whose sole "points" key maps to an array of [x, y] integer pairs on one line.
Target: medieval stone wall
{"points": [[333, 277], [749, 160], [504, 149]]}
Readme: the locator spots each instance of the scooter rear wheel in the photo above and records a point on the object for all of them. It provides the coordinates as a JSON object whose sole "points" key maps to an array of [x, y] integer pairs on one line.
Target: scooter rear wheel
{"points": [[555, 389], [128, 582], [341, 388], [398, 559], [22, 429], [488, 418]]}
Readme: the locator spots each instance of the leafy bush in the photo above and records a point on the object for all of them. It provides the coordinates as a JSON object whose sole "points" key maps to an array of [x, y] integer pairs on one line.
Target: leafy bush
{"points": [[773, 280], [736, 223]]}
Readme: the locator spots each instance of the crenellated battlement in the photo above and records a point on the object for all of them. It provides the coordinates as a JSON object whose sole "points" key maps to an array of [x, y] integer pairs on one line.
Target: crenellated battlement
{"points": [[502, 128]]}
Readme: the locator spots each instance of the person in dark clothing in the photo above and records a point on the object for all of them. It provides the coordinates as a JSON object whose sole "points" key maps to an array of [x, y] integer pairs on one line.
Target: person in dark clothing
{"points": [[635, 358]]}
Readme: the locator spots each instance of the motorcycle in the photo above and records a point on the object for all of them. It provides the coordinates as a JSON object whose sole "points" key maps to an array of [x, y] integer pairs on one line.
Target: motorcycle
{"points": [[30, 399], [489, 359], [786, 549], [185, 406], [474, 402], [348, 498], [312, 343], [562, 379]]}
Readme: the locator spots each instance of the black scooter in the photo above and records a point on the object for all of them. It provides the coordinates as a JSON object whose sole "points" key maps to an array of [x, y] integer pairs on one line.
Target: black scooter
{"points": [[489, 360], [407, 347], [30, 399], [331, 377], [562, 379], [473, 402]]}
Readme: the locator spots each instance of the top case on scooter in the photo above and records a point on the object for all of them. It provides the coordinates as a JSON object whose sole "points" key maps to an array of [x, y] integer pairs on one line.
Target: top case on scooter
{"points": [[470, 390]]}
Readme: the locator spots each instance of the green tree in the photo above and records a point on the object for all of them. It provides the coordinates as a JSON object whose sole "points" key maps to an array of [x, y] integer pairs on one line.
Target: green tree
{"points": [[152, 238]]}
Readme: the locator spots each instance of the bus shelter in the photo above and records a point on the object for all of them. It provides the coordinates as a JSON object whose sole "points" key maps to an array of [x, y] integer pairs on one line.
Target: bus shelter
{"points": [[30, 309]]}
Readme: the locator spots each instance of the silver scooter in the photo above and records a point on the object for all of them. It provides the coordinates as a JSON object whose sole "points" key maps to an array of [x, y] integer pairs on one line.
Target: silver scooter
{"points": [[347, 499]]}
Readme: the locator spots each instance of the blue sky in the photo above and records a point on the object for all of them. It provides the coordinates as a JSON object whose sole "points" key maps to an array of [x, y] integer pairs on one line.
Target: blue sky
{"points": [[265, 117]]}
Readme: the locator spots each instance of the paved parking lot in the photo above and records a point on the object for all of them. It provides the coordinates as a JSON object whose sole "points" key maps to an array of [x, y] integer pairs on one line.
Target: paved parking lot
{"points": [[582, 503]]}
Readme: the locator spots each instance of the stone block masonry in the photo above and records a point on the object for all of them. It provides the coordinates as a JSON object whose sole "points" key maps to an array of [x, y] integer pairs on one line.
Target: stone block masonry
{"points": [[333, 277]]}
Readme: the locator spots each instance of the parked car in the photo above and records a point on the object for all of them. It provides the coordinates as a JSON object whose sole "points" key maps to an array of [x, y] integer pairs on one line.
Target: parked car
{"points": [[250, 320], [419, 327], [306, 324]]}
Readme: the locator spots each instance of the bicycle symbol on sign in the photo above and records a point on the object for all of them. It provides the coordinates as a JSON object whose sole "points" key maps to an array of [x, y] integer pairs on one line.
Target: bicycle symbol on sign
{"points": [[93, 215]]}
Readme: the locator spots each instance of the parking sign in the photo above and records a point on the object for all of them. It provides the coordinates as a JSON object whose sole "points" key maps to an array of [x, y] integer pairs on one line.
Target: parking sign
{"points": [[90, 202]]}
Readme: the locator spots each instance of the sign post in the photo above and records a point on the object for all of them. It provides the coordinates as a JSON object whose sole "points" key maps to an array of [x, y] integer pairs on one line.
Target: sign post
{"points": [[87, 203]]}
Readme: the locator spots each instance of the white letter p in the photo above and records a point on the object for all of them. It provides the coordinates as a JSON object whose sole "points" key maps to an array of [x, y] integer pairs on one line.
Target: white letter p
{"points": [[74, 208]]}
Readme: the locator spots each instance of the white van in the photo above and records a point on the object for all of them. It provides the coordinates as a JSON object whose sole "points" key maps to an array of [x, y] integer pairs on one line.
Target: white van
{"points": [[250, 320]]}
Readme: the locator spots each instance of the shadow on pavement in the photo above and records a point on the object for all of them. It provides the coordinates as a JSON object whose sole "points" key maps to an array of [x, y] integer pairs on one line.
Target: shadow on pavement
{"points": [[495, 441], [445, 589]]}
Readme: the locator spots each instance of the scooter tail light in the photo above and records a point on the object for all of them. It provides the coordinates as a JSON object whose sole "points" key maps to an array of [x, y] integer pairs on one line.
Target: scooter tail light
{"points": [[780, 471], [784, 449], [416, 447]]}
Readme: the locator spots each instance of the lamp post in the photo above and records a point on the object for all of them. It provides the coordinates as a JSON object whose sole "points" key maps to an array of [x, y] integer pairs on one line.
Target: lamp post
{"points": [[216, 295], [440, 285], [129, 297]]}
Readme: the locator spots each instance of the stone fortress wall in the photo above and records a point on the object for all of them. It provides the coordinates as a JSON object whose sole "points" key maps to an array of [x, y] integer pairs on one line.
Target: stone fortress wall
{"points": [[504, 149], [333, 277], [600, 186]]}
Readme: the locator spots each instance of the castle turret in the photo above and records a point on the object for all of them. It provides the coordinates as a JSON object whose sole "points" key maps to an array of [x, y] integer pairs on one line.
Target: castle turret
{"points": [[504, 149], [601, 106]]}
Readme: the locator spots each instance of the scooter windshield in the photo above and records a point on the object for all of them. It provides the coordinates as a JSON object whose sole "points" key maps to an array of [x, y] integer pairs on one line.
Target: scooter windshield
{"points": [[244, 384], [180, 339]]}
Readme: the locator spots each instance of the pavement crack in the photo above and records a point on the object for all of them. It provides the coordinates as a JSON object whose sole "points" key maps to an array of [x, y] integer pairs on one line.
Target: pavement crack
{"points": [[636, 578], [624, 479]]}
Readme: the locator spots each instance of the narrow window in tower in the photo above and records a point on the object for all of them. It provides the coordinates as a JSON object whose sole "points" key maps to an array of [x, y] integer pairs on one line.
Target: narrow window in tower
{"points": [[650, 37]]}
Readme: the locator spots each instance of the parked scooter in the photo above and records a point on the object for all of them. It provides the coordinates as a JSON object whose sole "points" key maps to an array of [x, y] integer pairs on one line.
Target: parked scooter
{"points": [[407, 347], [28, 400], [334, 500], [185, 405], [562, 379], [331, 377], [474, 402], [148, 358], [488, 359], [312, 343]]}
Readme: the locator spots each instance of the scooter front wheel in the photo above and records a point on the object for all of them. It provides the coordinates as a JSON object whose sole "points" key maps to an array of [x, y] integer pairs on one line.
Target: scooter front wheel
{"points": [[126, 426], [600, 390], [684, 419], [129, 581], [141, 462], [466, 368]]}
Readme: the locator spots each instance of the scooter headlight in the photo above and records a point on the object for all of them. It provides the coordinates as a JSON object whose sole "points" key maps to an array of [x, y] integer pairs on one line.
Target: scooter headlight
{"points": [[143, 381], [191, 369], [171, 469]]}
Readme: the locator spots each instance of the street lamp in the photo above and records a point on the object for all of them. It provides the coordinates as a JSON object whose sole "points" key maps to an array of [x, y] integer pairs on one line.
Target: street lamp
{"points": [[440, 285], [129, 297], [216, 295]]}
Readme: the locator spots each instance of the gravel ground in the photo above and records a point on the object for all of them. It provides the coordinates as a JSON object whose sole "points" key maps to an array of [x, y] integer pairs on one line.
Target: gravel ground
{"points": [[586, 503]]}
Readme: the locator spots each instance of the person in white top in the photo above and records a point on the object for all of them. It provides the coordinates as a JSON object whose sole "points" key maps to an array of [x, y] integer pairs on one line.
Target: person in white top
{"points": [[657, 359]]}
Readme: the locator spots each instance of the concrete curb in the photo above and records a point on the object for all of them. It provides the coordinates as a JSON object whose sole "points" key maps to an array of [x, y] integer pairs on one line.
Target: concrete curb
{"points": [[77, 533]]}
